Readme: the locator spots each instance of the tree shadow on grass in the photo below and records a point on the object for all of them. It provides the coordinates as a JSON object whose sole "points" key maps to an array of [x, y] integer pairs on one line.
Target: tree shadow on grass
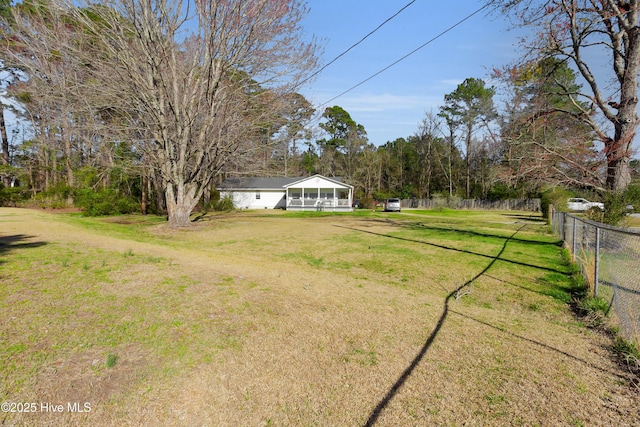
{"points": [[373, 417], [464, 251], [424, 226], [553, 289], [543, 346], [523, 217], [15, 242]]}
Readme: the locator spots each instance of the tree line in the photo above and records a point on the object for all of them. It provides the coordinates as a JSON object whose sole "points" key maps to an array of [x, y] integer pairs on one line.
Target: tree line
{"points": [[148, 104]]}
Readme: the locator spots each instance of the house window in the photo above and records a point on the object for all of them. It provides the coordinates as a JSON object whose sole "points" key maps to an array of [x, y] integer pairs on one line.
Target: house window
{"points": [[257, 195]]}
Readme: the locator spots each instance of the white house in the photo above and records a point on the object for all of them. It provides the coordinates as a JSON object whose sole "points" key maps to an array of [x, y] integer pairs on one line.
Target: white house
{"points": [[314, 193]]}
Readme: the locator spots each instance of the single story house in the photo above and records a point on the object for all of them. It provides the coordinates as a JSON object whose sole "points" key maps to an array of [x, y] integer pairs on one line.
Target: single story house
{"points": [[314, 193]]}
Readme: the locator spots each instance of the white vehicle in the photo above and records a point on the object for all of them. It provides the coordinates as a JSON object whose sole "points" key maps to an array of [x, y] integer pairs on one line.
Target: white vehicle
{"points": [[582, 205], [392, 205]]}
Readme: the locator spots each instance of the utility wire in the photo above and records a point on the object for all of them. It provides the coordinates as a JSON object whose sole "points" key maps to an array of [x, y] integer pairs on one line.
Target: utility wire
{"points": [[407, 55], [356, 44]]}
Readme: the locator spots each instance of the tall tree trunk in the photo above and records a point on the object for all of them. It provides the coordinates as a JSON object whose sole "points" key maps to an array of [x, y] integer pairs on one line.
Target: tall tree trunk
{"points": [[618, 173], [54, 164], [286, 155], [143, 188], [429, 173], [619, 150], [158, 189], [181, 201], [43, 167], [68, 164], [6, 180], [468, 160], [67, 157]]}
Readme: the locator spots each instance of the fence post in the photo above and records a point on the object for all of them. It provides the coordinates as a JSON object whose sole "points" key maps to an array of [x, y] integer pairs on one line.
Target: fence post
{"points": [[573, 240], [596, 268]]}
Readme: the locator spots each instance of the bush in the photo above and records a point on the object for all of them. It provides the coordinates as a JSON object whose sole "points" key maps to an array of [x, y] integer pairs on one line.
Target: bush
{"points": [[596, 214], [501, 192], [56, 197], [367, 203], [614, 208], [618, 205], [217, 203], [444, 200], [381, 195], [224, 204], [11, 196], [104, 202], [553, 196], [632, 196]]}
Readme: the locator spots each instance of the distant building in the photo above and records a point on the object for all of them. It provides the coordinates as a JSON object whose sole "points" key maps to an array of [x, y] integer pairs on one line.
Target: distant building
{"points": [[314, 193]]}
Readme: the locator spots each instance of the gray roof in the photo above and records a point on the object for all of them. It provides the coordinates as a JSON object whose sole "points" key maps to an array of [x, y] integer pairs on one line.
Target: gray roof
{"points": [[247, 183]]}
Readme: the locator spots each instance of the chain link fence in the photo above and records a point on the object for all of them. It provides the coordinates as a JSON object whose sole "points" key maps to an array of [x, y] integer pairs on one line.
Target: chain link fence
{"points": [[609, 258], [531, 205]]}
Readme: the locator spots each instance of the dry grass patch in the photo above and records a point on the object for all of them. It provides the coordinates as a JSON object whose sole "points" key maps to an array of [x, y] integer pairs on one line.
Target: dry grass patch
{"points": [[277, 319]]}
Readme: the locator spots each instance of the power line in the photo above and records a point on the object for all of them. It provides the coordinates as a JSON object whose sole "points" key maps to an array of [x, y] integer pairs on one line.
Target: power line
{"points": [[407, 55], [357, 43]]}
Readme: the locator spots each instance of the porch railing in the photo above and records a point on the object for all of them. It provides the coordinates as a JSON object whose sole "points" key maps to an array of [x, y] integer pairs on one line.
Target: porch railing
{"points": [[318, 203]]}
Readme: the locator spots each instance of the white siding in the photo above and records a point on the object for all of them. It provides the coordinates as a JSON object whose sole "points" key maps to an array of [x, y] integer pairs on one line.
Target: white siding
{"points": [[246, 199]]}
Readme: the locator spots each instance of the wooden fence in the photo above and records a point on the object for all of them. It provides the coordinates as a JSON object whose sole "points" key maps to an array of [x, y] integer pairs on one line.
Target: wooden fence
{"points": [[532, 205]]}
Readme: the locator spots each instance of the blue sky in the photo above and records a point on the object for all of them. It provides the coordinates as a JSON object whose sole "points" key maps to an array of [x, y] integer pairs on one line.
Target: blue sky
{"points": [[392, 104]]}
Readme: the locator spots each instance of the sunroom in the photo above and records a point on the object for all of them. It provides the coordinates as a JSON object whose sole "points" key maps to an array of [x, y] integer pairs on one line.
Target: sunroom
{"points": [[319, 193]]}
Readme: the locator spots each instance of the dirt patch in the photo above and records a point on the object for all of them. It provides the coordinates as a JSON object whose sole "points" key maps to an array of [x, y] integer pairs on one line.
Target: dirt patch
{"points": [[57, 210], [95, 375]]}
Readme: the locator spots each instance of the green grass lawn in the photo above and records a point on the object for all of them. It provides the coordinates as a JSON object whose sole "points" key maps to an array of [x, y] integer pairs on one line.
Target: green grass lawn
{"points": [[274, 318]]}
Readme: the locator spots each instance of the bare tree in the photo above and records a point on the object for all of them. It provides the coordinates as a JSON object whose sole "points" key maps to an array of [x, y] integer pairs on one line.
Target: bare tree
{"points": [[544, 140], [580, 32], [4, 158], [429, 147], [188, 76], [57, 90], [5, 8]]}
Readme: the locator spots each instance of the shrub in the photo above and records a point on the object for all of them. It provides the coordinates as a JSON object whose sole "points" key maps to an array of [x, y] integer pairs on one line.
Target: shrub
{"points": [[632, 196], [104, 202], [501, 192], [553, 196], [224, 204], [444, 200], [596, 214], [10, 196], [56, 197], [368, 202], [614, 208]]}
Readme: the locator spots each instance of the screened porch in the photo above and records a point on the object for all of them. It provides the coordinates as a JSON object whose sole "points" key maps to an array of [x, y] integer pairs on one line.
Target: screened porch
{"points": [[320, 199]]}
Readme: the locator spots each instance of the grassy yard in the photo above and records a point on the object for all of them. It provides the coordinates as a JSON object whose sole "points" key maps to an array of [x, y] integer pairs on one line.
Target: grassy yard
{"points": [[270, 318]]}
